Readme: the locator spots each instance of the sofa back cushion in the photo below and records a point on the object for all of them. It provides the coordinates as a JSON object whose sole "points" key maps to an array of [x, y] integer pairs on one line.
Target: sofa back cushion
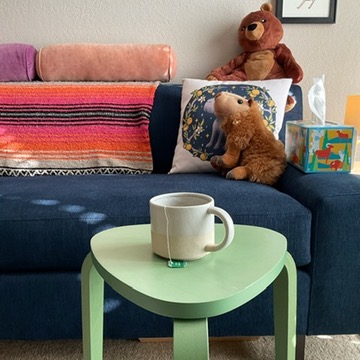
{"points": [[164, 126], [165, 121]]}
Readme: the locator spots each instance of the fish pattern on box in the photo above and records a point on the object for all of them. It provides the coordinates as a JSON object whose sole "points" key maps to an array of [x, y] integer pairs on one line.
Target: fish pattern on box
{"points": [[75, 128]]}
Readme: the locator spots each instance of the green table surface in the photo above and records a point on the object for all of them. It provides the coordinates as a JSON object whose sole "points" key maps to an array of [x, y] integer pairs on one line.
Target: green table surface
{"points": [[213, 285]]}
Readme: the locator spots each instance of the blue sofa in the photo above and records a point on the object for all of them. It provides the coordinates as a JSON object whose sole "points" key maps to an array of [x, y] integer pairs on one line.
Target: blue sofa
{"points": [[46, 223]]}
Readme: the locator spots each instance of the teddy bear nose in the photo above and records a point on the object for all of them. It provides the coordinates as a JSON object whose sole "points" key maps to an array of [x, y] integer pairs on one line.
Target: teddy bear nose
{"points": [[252, 27]]}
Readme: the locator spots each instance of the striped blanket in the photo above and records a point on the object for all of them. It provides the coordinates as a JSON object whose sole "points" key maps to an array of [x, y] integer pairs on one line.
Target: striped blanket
{"points": [[75, 128]]}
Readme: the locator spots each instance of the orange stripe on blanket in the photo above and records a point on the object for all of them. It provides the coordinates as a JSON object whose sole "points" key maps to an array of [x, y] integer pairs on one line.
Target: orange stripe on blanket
{"points": [[74, 93], [55, 146]]}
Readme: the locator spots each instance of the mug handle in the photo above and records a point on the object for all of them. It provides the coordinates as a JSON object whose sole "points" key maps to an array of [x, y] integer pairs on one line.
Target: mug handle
{"points": [[229, 229]]}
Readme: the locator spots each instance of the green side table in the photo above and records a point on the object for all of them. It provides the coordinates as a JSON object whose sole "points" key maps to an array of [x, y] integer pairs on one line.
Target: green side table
{"points": [[211, 286]]}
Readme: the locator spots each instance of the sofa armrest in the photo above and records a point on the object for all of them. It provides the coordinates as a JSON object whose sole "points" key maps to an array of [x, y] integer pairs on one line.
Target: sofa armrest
{"points": [[334, 201]]}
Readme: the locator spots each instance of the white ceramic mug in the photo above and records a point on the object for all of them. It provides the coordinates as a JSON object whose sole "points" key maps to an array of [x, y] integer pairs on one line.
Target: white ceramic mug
{"points": [[183, 225]]}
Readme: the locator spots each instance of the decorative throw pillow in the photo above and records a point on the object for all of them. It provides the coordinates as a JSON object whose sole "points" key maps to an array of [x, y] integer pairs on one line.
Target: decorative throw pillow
{"points": [[200, 136]]}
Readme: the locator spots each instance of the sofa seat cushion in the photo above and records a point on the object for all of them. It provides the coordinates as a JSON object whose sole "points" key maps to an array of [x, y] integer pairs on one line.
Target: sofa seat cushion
{"points": [[46, 222]]}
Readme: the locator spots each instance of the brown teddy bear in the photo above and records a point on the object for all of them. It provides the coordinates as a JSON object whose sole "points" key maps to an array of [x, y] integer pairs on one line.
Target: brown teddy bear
{"points": [[252, 152], [263, 56]]}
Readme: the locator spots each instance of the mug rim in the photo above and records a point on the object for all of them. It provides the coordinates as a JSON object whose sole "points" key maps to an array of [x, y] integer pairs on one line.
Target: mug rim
{"points": [[154, 199]]}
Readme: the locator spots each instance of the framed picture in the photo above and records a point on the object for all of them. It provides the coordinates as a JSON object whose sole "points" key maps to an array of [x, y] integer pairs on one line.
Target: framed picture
{"points": [[306, 11]]}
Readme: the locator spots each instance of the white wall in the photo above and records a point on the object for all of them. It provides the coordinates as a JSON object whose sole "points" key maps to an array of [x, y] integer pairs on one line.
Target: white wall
{"points": [[202, 32]]}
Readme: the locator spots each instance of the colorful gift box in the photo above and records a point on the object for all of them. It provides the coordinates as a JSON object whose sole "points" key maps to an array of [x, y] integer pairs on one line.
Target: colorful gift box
{"points": [[317, 148]]}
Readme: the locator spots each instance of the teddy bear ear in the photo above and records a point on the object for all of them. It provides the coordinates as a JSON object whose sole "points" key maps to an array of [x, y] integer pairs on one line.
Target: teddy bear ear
{"points": [[266, 7]]}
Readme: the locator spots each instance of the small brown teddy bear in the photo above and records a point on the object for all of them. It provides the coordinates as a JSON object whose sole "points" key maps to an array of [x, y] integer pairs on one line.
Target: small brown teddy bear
{"points": [[252, 152]]}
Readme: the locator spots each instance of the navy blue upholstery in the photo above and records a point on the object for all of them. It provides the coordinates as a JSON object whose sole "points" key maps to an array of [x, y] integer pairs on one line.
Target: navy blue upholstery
{"points": [[47, 305], [46, 224], [60, 214], [164, 126], [334, 201]]}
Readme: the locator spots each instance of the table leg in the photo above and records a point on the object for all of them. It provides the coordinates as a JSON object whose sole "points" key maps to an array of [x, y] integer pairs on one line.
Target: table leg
{"points": [[191, 339], [285, 293], [92, 299]]}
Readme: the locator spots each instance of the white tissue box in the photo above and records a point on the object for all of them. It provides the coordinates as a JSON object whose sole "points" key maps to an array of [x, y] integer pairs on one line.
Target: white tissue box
{"points": [[317, 148]]}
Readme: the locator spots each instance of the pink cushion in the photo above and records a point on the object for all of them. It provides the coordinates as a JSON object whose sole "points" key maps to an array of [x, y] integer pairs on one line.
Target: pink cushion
{"points": [[17, 62], [106, 62]]}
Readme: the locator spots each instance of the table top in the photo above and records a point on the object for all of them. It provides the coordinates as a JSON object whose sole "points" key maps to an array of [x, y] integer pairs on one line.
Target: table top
{"points": [[215, 284]]}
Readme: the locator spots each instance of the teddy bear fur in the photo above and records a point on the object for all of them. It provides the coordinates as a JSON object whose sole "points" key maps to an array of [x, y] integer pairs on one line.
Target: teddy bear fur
{"points": [[252, 152], [263, 56]]}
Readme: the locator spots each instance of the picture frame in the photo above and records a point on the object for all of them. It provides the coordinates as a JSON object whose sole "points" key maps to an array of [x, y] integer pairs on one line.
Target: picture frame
{"points": [[306, 11]]}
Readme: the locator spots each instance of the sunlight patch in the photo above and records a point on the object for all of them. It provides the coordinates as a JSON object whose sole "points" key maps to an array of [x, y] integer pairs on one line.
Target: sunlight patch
{"points": [[72, 208], [45, 202], [92, 218], [111, 305], [325, 337]]}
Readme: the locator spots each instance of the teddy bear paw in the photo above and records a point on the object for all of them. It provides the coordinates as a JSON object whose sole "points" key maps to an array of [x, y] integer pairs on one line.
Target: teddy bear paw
{"points": [[211, 78], [230, 175], [238, 173], [216, 162]]}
